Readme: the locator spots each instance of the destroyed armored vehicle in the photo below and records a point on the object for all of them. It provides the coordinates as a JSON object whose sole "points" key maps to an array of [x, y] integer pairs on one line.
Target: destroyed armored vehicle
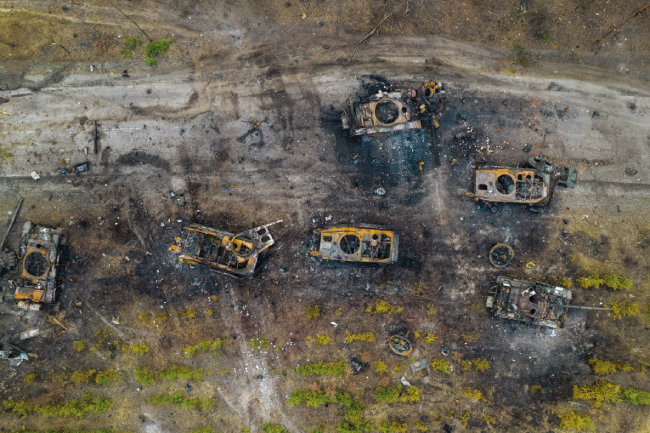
{"points": [[366, 243], [40, 255], [392, 110], [512, 185], [529, 302], [238, 254]]}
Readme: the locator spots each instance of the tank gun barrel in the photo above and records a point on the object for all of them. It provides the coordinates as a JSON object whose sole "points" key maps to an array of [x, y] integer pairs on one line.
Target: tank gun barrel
{"points": [[582, 307], [11, 224]]}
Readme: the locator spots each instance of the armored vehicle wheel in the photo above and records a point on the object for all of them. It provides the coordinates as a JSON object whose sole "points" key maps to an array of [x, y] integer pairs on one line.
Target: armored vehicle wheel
{"points": [[400, 345], [501, 255]]}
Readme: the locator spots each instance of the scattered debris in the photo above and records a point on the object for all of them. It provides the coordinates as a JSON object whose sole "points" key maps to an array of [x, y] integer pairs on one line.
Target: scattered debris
{"points": [[357, 365], [366, 243], [234, 254], [380, 191], [420, 369], [30, 333], [501, 255], [35, 175], [529, 302], [14, 354]]}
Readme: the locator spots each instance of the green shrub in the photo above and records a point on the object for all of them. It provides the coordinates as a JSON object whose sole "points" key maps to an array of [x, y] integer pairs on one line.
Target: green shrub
{"points": [[311, 398], [78, 408], [144, 375], [387, 394], [597, 394], [273, 428], [481, 364], [107, 376], [380, 366], [412, 395], [440, 365], [132, 43], [82, 376], [636, 396], [392, 426], [351, 338], [322, 368], [313, 312], [575, 421], [614, 282], [179, 399], [206, 346], [601, 367], [622, 310]]}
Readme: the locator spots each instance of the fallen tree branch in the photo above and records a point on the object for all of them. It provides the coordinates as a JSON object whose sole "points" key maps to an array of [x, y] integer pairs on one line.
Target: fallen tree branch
{"points": [[373, 31], [612, 29]]}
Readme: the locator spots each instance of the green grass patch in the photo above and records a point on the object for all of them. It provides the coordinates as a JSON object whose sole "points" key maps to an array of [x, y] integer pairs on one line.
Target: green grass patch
{"points": [[387, 394], [132, 43], [601, 367], [156, 49], [440, 365], [146, 376], [367, 337], [136, 349], [392, 426], [636, 396], [614, 282], [179, 399], [623, 310], [77, 408], [273, 428], [107, 376], [598, 393], [577, 421], [206, 346], [322, 368]]}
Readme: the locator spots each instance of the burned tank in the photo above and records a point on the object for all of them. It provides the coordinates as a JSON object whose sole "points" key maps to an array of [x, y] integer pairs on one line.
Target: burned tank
{"points": [[40, 256], [390, 110], [238, 255], [531, 303], [366, 243]]}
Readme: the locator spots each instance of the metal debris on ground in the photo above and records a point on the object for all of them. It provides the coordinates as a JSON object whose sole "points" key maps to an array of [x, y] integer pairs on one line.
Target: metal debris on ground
{"points": [[357, 365], [501, 255], [420, 369]]}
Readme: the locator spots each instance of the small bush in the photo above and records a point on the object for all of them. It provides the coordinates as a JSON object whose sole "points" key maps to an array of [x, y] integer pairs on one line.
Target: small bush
{"points": [[206, 346], [601, 367], [636, 396], [383, 307], [412, 395], [481, 364], [380, 366], [474, 394], [132, 43], [311, 398], [77, 408], [431, 310], [137, 349], [322, 368], [623, 310], [597, 394], [107, 376], [179, 399], [430, 338], [387, 394], [273, 428], [30, 378], [440, 365], [82, 376], [614, 282], [79, 346], [313, 312], [392, 426], [144, 375], [575, 421], [351, 338]]}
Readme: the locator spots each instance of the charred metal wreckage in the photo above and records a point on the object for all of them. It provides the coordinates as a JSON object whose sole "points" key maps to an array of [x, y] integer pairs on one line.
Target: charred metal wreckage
{"points": [[366, 243], [529, 302], [39, 266], [532, 185], [389, 111], [239, 255]]}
